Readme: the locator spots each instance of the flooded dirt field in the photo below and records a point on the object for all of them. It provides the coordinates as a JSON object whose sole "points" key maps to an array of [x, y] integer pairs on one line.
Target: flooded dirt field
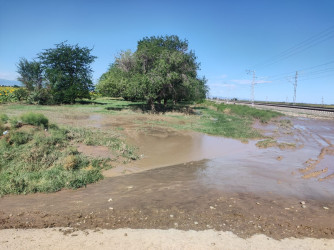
{"points": [[187, 180], [302, 171]]}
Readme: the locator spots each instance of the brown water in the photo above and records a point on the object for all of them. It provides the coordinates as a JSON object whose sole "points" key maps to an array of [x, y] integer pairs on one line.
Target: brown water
{"points": [[306, 171], [242, 167]]}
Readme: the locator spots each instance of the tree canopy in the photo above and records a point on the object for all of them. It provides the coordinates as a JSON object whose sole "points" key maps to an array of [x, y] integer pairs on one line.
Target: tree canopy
{"points": [[68, 72], [30, 74], [61, 75], [161, 68]]}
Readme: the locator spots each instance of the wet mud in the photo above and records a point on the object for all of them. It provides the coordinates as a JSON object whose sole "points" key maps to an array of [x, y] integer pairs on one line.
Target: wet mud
{"points": [[214, 182], [171, 197], [94, 151]]}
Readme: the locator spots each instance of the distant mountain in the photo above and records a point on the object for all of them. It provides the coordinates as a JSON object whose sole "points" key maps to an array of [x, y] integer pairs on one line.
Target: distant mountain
{"points": [[9, 82]]}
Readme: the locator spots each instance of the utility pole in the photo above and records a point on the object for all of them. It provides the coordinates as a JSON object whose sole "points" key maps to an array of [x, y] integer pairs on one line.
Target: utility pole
{"points": [[253, 84], [295, 88], [322, 100]]}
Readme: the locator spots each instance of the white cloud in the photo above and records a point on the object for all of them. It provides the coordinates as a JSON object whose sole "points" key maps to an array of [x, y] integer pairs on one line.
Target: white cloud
{"points": [[8, 75], [218, 77], [242, 81], [222, 85], [229, 85], [263, 81], [247, 82]]}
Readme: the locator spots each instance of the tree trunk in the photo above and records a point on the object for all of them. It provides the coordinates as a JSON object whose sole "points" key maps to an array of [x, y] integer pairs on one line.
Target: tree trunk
{"points": [[151, 104]]}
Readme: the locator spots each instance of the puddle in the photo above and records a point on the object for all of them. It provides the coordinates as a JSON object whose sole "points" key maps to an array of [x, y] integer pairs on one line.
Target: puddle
{"points": [[179, 148]]}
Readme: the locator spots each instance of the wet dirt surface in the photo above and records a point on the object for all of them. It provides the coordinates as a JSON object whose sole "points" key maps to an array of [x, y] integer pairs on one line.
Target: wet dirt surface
{"points": [[239, 188], [170, 197], [161, 147]]}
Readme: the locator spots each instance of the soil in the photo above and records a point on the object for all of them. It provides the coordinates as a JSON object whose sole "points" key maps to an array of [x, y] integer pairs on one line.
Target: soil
{"points": [[94, 151], [136, 239], [214, 183]]}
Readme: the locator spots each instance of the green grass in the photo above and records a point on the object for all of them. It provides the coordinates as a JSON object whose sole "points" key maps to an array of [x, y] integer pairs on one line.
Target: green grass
{"points": [[34, 160], [273, 143], [35, 119], [243, 111], [4, 118], [233, 121], [218, 123]]}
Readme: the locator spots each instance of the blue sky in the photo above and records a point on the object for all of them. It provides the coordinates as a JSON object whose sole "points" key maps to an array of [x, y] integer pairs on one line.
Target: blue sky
{"points": [[228, 38]]}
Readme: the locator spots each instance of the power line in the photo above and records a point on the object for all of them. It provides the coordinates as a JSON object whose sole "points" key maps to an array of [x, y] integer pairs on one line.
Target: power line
{"points": [[304, 70], [300, 47], [318, 77]]}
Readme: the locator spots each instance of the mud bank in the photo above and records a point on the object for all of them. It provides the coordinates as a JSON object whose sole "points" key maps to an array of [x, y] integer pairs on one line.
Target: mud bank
{"points": [[65, 238]]}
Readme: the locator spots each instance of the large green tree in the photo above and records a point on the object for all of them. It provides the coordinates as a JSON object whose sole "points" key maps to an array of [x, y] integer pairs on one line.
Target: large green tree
{"points": [[162, 68], [68, 72]]}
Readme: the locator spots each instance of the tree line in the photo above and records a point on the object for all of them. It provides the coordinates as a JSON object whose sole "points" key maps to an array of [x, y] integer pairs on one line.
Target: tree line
{"points": [[161, 69]]}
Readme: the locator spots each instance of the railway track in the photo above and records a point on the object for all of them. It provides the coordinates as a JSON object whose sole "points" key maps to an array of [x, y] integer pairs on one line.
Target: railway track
{"points": [[323, 109], [311, 110]]}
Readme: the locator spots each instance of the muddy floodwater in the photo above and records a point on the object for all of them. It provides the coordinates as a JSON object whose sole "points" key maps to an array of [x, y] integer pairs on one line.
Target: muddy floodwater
{"points": [[303, 171], [194, 181]]}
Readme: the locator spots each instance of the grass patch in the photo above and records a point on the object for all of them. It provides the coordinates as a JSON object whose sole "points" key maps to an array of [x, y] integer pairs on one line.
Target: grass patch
{"points": [[273, 143], [234, 121], [263, 116], [216, 123], [35, 119], [4, 118], [34, 160]]}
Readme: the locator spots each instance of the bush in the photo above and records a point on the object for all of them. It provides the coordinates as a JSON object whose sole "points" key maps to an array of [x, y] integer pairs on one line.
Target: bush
{"points": [[71, 162], [42, 97], [21, 94], [35, 119]]}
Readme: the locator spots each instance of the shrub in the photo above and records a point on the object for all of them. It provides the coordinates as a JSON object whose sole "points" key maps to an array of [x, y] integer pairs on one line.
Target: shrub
{"points": [[21, 94], [41, 96], [71, 162], [35, 119]]}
